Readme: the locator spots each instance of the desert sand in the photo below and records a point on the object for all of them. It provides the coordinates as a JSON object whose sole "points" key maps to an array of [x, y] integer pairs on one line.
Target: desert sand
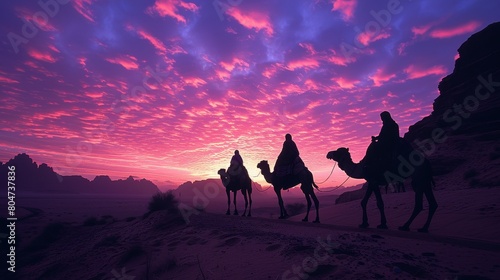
{"points": [[463, 241]]}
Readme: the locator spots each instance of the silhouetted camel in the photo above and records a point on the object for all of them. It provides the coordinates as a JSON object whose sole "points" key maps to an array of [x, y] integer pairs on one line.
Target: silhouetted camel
{"points": [[234, 182], [304, 178], [375, 175]]}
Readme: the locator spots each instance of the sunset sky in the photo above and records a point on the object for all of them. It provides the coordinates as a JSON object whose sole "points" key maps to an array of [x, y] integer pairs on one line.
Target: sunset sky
{"points": [[167, 89]]}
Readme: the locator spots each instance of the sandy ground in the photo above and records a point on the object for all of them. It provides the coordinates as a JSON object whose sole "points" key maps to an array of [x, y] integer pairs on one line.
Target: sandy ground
{"points": [[463, 243]]}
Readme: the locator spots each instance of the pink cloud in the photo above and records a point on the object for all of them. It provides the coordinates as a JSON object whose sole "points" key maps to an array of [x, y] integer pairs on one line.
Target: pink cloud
{"points": [[157, 43], [252, 20], [421, 30], [339, 59], [311, 85], [170, 8], [42, 56], [82, 7], [8, 80], [222, 75], [345, 7], [307, 63], [455, 31], [53, 115], [366, 38], [271, 70], [237, 63], [195, 81], [309, 47], [94, 95], [415, 72], [128, 62], [391, 95], [29, 16], [345, 83], [379, 78]]}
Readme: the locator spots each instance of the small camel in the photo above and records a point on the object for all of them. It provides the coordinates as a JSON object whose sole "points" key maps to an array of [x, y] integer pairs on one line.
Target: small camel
{"points": [[304, 178], [234, 181], [376, 175]]}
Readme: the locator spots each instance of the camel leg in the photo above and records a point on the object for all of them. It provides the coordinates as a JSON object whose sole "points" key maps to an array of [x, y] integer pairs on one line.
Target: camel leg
{"points": [[364, 201], [416, 210], [250, 206], [244, 193], [283, 213], [380, 206], [432, 208], [234, 200], [228, 202], [316, 205], [306, 218]]}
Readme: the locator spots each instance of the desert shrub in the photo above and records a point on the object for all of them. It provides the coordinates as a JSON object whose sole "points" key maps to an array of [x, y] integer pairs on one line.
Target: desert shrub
{"points": [[51, 233], [110, 240], [470, 173], [130, 219], [163, 201], [295, 208], [133, 252]]}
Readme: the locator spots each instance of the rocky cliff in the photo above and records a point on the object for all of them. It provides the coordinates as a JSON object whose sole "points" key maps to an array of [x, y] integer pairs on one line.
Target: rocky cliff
{"points": [[461, 137]]}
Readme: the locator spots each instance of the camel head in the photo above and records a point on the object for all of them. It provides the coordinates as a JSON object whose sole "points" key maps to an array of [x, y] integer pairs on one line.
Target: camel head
{"points": [[263, 165], [222, 172], [339, 154]]}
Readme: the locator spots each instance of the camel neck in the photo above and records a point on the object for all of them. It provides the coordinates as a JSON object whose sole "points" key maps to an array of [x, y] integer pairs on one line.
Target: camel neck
{"points": [[348, 166]]}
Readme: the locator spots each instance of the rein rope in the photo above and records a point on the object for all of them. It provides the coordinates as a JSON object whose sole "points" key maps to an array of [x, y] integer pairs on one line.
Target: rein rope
{"points": [[256, 175], [331, 172], [337, 187], [258, 189]]}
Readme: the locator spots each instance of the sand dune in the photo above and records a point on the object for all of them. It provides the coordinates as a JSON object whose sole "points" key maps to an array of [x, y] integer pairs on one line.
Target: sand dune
{"points": [[463, 243]]}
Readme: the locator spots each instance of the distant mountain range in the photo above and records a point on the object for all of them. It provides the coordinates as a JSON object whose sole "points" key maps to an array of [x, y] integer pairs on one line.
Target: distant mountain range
{"points": [[31, 177]]}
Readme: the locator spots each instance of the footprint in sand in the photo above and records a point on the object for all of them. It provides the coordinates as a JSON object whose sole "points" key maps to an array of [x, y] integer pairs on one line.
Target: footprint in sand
{"points": [[230, 242], [273, 247]]}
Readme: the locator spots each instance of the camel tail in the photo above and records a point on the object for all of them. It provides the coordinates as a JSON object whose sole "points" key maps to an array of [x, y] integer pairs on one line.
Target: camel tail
{"points": [[314, 184]]}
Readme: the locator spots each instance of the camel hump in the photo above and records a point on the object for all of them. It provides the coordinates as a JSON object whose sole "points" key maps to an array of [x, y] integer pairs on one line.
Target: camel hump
{"points": [[296, 167]]}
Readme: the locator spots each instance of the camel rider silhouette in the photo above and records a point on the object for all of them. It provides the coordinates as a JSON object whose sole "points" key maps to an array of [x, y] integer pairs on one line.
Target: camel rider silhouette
{"points": [[288, 160], [236, 159], [236, 163], [387, 141]]}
